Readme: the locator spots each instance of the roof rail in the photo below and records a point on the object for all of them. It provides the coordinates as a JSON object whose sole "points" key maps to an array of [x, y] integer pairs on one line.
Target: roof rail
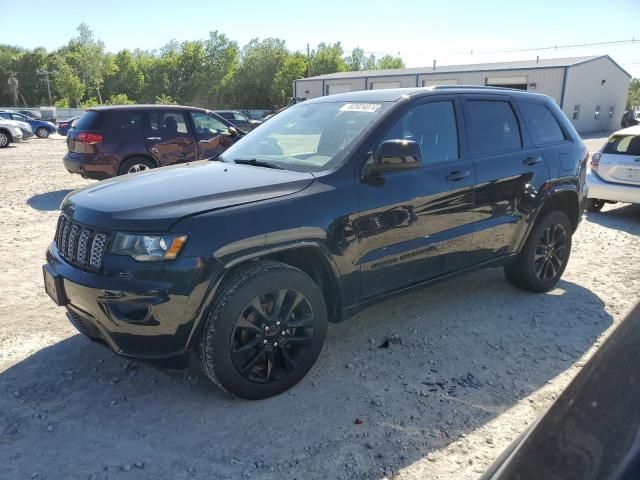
{"points": [[481, 87]]}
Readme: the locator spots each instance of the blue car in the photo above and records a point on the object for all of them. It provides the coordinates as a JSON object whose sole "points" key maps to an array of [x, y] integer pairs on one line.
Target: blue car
{"points": [[41, 128], [65, 125]]}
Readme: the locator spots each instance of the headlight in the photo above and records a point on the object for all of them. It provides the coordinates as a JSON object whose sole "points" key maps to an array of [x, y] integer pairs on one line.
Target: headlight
{"points": [[148, 248]]}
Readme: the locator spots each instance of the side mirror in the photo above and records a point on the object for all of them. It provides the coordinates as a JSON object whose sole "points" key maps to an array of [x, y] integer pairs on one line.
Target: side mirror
{"points": [[395, 155], [233, 131]]}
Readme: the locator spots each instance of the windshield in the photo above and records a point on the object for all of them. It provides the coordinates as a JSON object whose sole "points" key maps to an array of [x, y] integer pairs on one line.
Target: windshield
{"points": [[307, 137]]}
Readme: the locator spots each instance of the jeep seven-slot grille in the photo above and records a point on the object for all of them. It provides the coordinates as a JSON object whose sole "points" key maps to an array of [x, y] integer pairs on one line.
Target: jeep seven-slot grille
{"points": [[79, 245]]}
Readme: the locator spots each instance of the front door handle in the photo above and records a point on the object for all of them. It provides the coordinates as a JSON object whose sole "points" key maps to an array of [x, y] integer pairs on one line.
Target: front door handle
{"points": [[532, 160], [154, 138], [457, 175]]}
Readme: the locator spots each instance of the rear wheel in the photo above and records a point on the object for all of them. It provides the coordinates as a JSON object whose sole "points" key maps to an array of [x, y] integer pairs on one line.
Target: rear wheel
{"points": [[134, 165], [541, 263], [42, 132], [595, 205], [264, 331], [5, 140]]}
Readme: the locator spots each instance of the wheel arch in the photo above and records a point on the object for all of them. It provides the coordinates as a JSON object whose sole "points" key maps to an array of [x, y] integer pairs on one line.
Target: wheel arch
{"points": [[146, 156], [564, 199], [4, 130], [309, 257]]}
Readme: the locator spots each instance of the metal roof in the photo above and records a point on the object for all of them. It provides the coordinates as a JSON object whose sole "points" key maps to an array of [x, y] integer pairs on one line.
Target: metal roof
{"points": [[477, 67]]}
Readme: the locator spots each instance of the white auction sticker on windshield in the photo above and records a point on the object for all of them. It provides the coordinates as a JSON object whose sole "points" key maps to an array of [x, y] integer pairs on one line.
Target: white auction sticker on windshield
{"points": [[360, 107]]}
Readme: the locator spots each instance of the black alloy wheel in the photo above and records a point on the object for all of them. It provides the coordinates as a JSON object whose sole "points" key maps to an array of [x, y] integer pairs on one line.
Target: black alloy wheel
{"points": [[272, 335], [551, 252], [545, 254], [264, 331]]}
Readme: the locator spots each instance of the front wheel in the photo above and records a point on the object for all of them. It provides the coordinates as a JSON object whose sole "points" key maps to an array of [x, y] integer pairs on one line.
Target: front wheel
{"points": [[542, 261], [264, 331], [595, 205], [42, 132], [4, 140]]}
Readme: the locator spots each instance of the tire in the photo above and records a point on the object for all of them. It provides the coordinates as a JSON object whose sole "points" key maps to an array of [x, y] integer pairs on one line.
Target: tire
{"points": [[42, 132], [542, 261], [594, 205], [239, 349], [135, 164], [5, 139]]}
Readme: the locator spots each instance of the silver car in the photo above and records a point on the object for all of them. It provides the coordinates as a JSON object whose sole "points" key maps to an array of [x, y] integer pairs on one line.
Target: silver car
{"points": [[9, 132], [614, 173]]}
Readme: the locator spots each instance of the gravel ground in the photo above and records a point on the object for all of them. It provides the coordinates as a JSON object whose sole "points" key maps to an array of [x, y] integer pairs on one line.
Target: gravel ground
{"points": [[470, 363]]}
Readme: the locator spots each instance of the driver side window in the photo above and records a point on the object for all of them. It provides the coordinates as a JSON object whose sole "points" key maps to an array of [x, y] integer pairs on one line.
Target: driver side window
{"points": [[208, 125], [433, 126]]}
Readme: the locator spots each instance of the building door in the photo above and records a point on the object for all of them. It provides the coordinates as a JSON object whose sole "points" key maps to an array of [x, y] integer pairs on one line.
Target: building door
{"points": [[338, 88], [517, 82], [383, 85]]}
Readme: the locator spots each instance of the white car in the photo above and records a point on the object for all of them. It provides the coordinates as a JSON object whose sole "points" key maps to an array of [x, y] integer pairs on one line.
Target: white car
{"points": [[614, 173], [9, 132]]}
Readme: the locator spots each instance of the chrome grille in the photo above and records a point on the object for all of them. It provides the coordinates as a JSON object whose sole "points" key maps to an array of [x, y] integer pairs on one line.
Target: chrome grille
{"points": [[79, 245]]}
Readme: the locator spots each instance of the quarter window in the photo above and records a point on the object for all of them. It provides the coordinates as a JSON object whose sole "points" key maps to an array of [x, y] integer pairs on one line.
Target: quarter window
{"points": [[493, 127], [543, 126], [433, 127]]}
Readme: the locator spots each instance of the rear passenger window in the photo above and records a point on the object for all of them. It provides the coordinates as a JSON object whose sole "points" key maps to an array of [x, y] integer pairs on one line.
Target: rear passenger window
{"points": [[493, 127], [433, 127], [168, 123], [543, 126], [132, 122]]}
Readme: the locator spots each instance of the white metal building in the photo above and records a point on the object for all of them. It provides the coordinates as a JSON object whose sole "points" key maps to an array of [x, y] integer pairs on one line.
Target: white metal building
{"points": [[592, 91]]}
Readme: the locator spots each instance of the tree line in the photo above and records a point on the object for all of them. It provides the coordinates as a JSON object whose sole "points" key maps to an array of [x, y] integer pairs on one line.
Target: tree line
{"points": [[214, 73]]}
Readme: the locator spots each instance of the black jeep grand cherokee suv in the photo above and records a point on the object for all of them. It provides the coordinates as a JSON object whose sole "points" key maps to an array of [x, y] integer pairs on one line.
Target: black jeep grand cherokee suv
{"points": [[335, 203]]}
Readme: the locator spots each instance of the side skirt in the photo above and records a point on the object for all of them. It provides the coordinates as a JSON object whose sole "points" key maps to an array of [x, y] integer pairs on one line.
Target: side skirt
{"points": [[353, 309]]}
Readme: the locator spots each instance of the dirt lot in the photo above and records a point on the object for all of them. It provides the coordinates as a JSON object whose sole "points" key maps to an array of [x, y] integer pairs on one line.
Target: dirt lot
{"points": [[471, 362]]}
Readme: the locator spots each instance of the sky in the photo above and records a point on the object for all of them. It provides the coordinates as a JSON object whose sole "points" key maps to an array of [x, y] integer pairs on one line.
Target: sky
{"points": [[419, 30]]}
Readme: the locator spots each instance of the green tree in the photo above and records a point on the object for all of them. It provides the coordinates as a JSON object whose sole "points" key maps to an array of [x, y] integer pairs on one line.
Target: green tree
{"points": [[125, 75], [86, 56], [67, 85], [120, 99], [165, 100], [389, 61], [633, 100], [327, 58], [358, 61]]}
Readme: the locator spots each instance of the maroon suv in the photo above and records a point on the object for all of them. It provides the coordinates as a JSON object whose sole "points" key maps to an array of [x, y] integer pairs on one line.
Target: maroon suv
{"points": [[115, 140]]}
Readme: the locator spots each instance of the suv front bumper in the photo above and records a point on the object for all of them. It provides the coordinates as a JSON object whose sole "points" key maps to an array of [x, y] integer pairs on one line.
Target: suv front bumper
{"points": [[150, 320]]}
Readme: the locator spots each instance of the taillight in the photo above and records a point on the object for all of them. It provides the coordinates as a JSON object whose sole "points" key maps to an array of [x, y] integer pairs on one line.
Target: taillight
{"points": [[595, 160], [90, 138]]}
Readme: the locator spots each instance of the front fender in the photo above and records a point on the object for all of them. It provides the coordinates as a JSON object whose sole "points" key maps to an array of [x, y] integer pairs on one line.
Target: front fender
{"points": [[227, 258]]}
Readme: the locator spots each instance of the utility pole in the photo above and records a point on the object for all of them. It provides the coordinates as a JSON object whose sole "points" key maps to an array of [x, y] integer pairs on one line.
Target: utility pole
{"points": [[46, 76], [308, 61]]}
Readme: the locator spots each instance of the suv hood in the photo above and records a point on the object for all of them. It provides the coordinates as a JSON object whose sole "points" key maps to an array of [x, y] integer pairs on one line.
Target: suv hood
{"points": [[152, 201]]}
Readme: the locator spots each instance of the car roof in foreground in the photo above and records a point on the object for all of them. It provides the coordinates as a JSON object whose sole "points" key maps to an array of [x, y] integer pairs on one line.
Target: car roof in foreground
{"points": [[395, 94]]}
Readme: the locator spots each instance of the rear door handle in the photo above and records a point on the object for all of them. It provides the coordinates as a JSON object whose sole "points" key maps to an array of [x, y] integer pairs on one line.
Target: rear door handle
{"points": [[455, 176], [532, 160], [154, 138]]}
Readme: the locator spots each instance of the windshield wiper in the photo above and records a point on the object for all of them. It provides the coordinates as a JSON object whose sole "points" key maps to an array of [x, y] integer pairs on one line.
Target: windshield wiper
{"points": [[258, 163]]}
